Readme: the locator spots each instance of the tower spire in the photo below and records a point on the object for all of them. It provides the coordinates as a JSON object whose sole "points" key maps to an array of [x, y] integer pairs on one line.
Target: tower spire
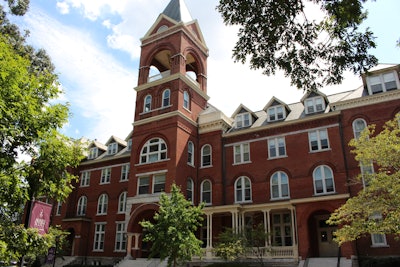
{"points": [[178, 11]]}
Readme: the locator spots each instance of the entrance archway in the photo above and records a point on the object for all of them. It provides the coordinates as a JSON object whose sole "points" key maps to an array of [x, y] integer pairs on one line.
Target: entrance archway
{"points": [[321, 235]]}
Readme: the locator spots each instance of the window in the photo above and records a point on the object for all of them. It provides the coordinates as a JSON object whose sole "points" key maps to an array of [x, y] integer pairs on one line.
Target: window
{"points": [[189, 190], [241, 153], [147, 104], [276, 113], [242, 190], [279, 185], [159, 183], [243, 120], [358, 126], [206, 192], [122, 202], [81, 208], [276, 147], [99, 236], [281, 229], [366, 171], [186, 100], [105, 176], [120, 238], [58, 209], [144, 185], [314, 104], [190, 159], [125, 172], [93, 153], [102, 204], [382, 83], [166, 98], [129, 144], [206, 155], [323, 180], [378, 240], [112, 148], [154, 150], [85, 178], [318, 140]]}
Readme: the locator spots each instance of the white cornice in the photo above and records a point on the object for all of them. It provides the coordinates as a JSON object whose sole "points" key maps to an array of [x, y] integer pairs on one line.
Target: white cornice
{"points": [[164, 116], [366, 100]]}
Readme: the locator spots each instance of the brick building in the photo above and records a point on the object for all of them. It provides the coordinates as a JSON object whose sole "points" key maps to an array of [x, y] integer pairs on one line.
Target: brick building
{"points": [[286, 166]]}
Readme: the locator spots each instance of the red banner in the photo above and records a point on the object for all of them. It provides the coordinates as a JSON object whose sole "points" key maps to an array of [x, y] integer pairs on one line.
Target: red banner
{"points": [[40, 217]]}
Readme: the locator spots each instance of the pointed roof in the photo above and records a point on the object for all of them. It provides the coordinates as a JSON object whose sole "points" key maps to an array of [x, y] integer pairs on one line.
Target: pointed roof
{"points": [[178, 11]]}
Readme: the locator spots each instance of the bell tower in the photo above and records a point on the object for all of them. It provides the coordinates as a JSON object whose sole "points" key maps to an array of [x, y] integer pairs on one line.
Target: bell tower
{"points": [[171, 93]]}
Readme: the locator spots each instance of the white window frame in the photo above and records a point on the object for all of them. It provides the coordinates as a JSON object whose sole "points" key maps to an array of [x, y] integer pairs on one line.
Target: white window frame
{"points": [[243, 120], [243, 191], [154, 150], [356, 127], [105, 175], [58, 208], [85, 179], [166, 98], [319, 137], [147, 104], [186, 100], [206, 158], [129, 144], [314, 104], [280, 180], [324, 178], [382, 80], [82, 206], [189, 190], [378, 240], [159, 179], [190, 151], [99, 236], [280, 227], [275, 146], [122, 202], [143, 184], [120, 237], [276, 113], [208, 191], [112, 148], [241, 153], [93, 153], [125, 172], [102, 204]]}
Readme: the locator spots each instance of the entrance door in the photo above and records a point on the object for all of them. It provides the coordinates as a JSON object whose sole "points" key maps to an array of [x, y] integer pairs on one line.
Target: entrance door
{"points": [[327, 247]]}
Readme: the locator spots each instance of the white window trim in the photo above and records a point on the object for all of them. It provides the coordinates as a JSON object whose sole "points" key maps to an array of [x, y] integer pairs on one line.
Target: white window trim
{"points": [[164, 98], [112, 148], [121, 233], [96, 233], [241, 118], [159, 152], [274, 109], [106, 173], [85, 179], [380, 76], [202, 156], [190, 180], [191, 162], [80, 211], [93, 153], [154, 182], [125, 169], [275, 140], [314, 105], [324, 191], [185, 93], [242, 180], [318, 132], [241, 153], [357, 134], [122, 202], [201, 193], [103, 204], [279, 173], [145, 104]]}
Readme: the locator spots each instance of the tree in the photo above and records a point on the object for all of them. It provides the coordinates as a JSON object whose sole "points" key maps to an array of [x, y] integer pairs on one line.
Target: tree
{"points": [[231, 245], [173, 233], [375, 209], [280, 35], [34, 156]]}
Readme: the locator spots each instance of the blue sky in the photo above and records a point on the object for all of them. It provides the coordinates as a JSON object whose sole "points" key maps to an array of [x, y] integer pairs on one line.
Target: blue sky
{"points": [[95, 46]]}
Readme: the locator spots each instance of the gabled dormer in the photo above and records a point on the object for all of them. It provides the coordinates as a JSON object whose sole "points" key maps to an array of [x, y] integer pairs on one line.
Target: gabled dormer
{"points": [[382, 78], [115, 145], [314, 102], [96, 149], [243, 117], [276, 110], [128, 141]]}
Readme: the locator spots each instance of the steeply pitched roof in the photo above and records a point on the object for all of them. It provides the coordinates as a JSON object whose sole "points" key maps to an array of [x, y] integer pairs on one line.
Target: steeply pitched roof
{"points": [[178, 11]]}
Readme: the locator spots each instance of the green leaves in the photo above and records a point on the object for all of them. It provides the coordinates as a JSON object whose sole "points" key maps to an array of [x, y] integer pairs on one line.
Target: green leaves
{"points": [[279, 35], [173, 233]]}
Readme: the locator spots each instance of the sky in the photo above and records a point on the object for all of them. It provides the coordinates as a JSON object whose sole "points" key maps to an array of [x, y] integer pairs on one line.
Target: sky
{"points": [[95, 46]]}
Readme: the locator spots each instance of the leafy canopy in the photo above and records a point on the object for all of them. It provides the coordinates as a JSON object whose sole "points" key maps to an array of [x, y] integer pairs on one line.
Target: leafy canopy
{"points": [[173, 233], [282, 35], [375, 210]]}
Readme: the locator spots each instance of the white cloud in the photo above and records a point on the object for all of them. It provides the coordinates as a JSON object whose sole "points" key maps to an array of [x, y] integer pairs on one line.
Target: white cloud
{"points": [[63, 7]]}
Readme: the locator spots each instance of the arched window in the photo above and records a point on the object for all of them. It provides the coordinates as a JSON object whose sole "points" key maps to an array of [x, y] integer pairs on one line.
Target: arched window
{"points": [[82, 204], [166, 98], [190, 159], [323, 180], [279, 185], [206, 191], [147, 103], [154, 150], [186, 100], [206, 158], [102, 204], [122, 202], [189, 190], [358, 126], [243, 189]]}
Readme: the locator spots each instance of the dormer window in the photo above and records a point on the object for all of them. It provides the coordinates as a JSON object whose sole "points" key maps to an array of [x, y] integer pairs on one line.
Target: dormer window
{"points": [[93, 153], [243, 120], [129, 144], [314, 104], [112, 148], [276, 113], [382, 83]]}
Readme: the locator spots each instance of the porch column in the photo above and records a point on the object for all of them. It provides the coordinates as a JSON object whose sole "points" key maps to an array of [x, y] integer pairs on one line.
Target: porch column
{"points": [[128, 245], [234, 221], [293, 214], [209, 236], [136, 235], [267, 227]]}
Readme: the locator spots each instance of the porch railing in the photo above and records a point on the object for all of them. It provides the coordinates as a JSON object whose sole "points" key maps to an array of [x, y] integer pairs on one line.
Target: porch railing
{"points": [[288, 252]]}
